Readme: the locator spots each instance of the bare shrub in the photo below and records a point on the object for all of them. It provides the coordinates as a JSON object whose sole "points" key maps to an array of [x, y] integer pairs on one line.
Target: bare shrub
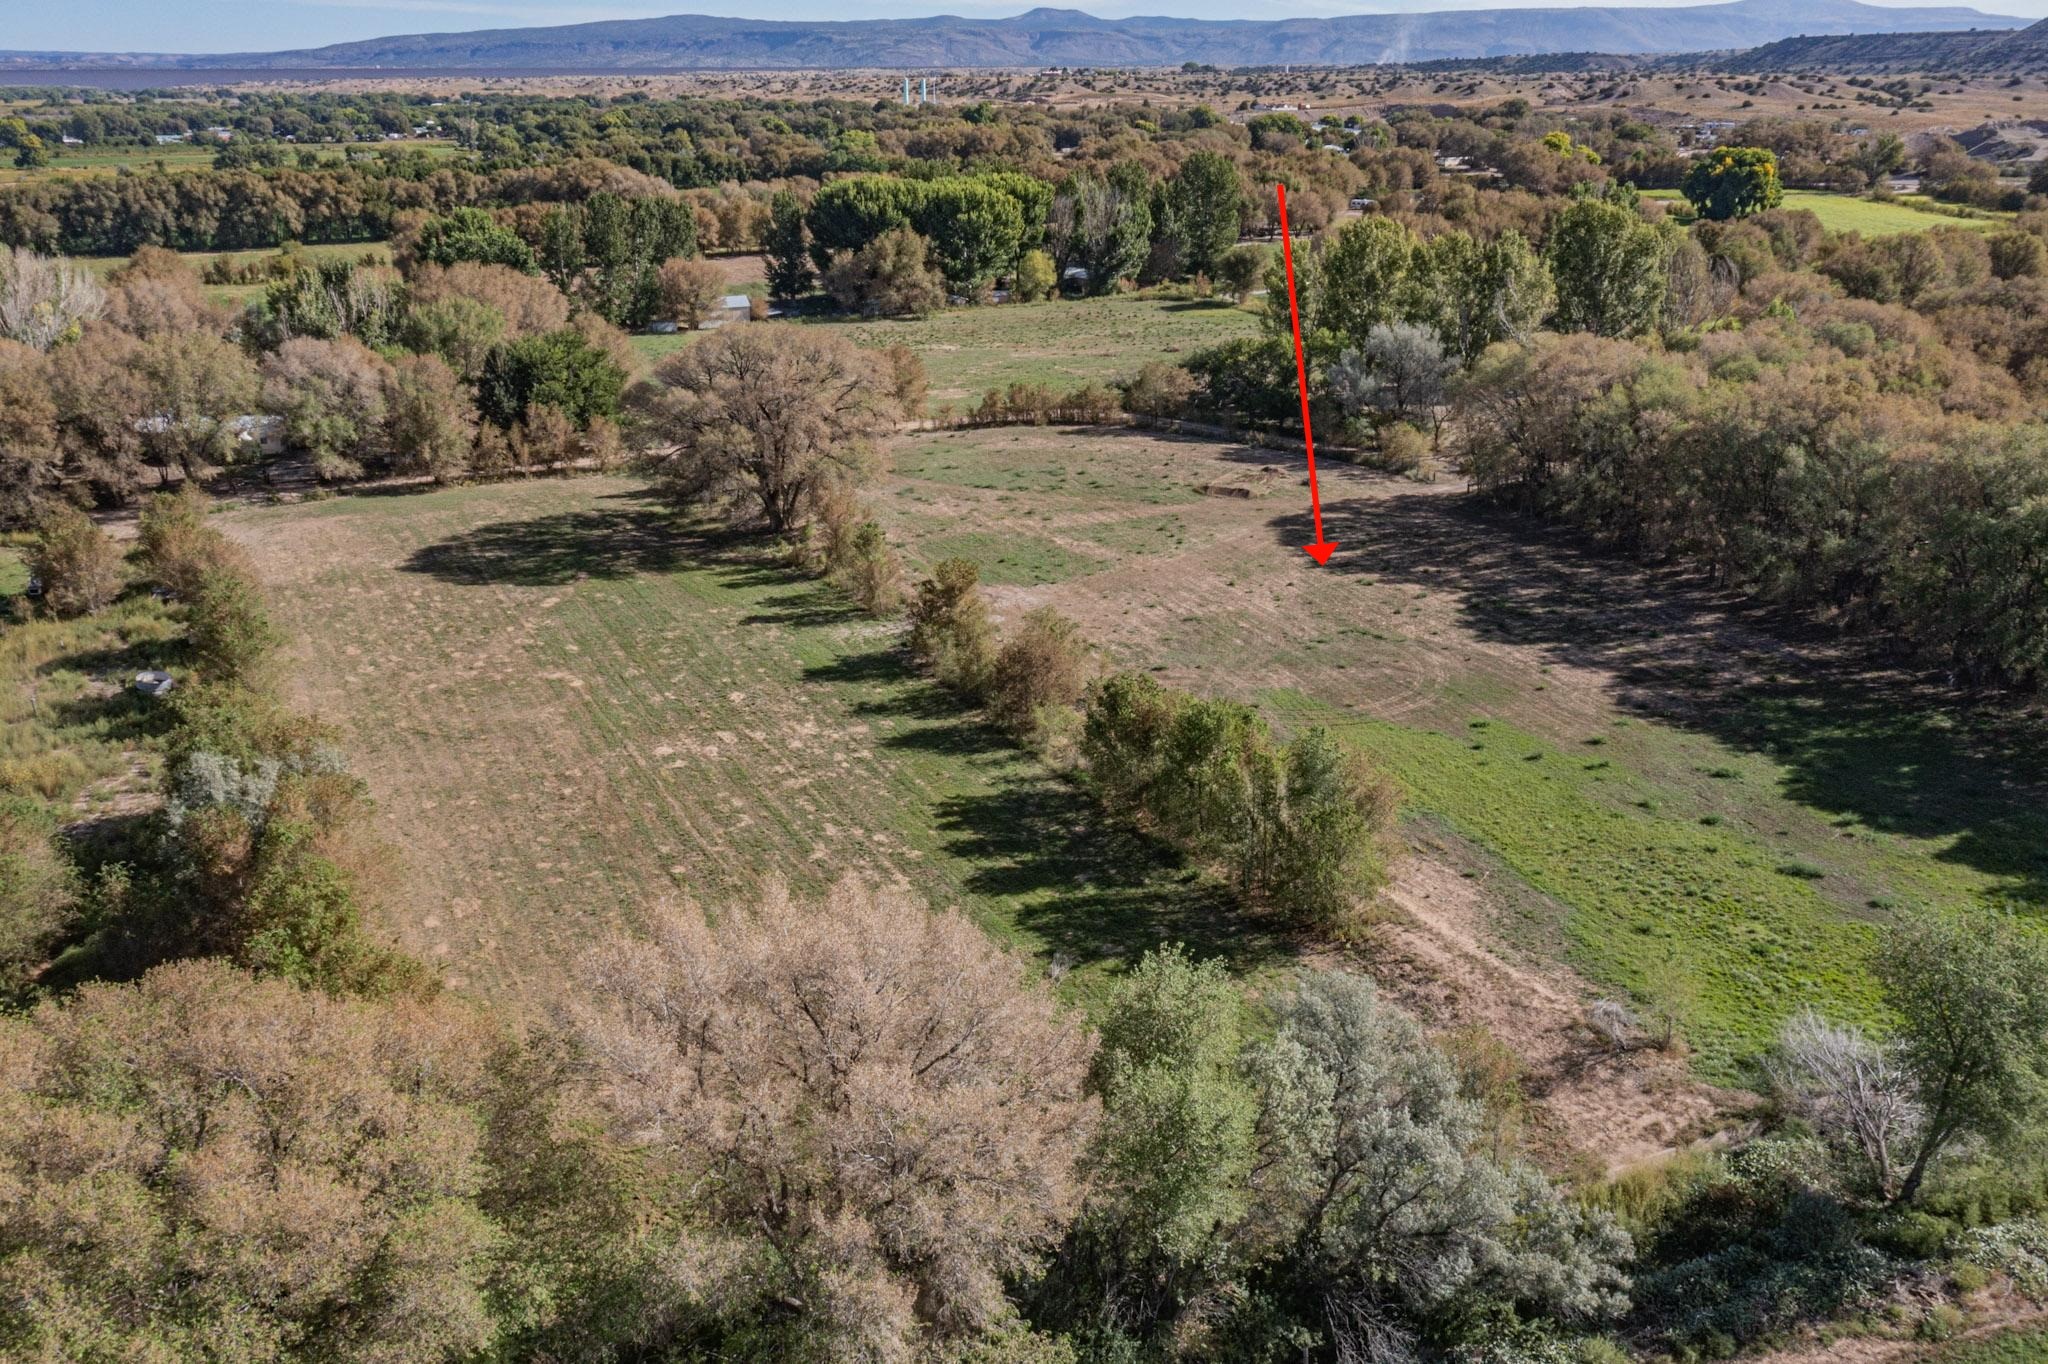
{"points": [[889, 277], [178, 545], [333, 398], [208, 1156], [1854, 1090], [1160, 390], [430, 418], [908, 381], [530, 305], [1615, 1024], [871, 1087], [45, 300]]}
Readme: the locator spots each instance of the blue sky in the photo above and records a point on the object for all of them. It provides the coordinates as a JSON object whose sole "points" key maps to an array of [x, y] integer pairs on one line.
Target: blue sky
{"points": [[267, 25]]}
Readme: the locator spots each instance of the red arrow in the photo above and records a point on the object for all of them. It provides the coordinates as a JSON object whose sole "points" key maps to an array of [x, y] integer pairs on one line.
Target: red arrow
{"points": [[1320, 550]]}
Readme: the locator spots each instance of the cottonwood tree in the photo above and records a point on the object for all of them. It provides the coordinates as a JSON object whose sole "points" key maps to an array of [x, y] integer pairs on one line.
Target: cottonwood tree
{"points": [[1608, 265], [44, 300], [763, 419], [208, 1165], [870, 1087], [1972, 999], [690, 289], [331, 395]]}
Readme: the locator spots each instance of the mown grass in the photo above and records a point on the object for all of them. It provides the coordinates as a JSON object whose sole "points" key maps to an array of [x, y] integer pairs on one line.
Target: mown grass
{"points": [[1653, 895], [1039, 461], [1019, 560], [572, 705], [1850, 213], [1064, 344]]}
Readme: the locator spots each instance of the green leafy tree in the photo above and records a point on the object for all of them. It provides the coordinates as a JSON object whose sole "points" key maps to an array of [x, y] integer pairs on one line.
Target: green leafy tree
{"points": [[950, 631], [1172, 1158], [1733, 182], [233, 640], [788, 246], [1206, 197], [1481, 294], [1102, 224], [1365, 282], [562, 370], [471, 234], [1971, 994], [1608, 265], [1240, 270], [975, 232]]}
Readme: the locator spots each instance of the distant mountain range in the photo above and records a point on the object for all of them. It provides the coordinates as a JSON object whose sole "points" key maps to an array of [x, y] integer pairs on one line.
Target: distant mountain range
{"points": [[1057, 37]]}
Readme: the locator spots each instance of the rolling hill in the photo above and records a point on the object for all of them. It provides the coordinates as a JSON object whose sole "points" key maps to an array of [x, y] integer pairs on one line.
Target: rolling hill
{"points": [[2018, 52]]}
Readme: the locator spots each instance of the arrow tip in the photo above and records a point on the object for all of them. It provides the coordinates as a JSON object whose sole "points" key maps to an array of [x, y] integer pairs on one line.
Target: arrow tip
{"points": [[1321, 551]]}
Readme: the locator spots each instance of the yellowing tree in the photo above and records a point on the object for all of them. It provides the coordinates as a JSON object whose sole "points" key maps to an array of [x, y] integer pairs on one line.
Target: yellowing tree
{"points": [[870, 1087]]}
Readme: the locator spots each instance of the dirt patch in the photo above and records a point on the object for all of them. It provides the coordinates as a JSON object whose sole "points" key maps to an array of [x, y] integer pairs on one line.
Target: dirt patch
{"points": [[1441, 954]]}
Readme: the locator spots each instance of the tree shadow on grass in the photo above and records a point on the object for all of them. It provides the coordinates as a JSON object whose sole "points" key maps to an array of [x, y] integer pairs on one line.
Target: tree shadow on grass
{"points": [[811, 604], [548, 551], [1861, 735], [1090, 887]]}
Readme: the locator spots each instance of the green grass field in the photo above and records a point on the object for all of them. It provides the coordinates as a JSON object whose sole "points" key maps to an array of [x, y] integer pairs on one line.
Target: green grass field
{"points": [[571, 705], [1727, 844], [1849, 213], [968, 351]]}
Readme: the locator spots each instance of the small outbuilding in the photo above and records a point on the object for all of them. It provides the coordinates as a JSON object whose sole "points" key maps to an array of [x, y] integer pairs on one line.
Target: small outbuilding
{"points": [[154, 682]]}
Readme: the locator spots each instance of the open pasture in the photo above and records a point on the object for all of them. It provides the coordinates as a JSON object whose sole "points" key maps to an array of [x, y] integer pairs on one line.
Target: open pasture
{"points": [[1853, 213], [1065, 343], [1714, 816], [570, 704]]}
